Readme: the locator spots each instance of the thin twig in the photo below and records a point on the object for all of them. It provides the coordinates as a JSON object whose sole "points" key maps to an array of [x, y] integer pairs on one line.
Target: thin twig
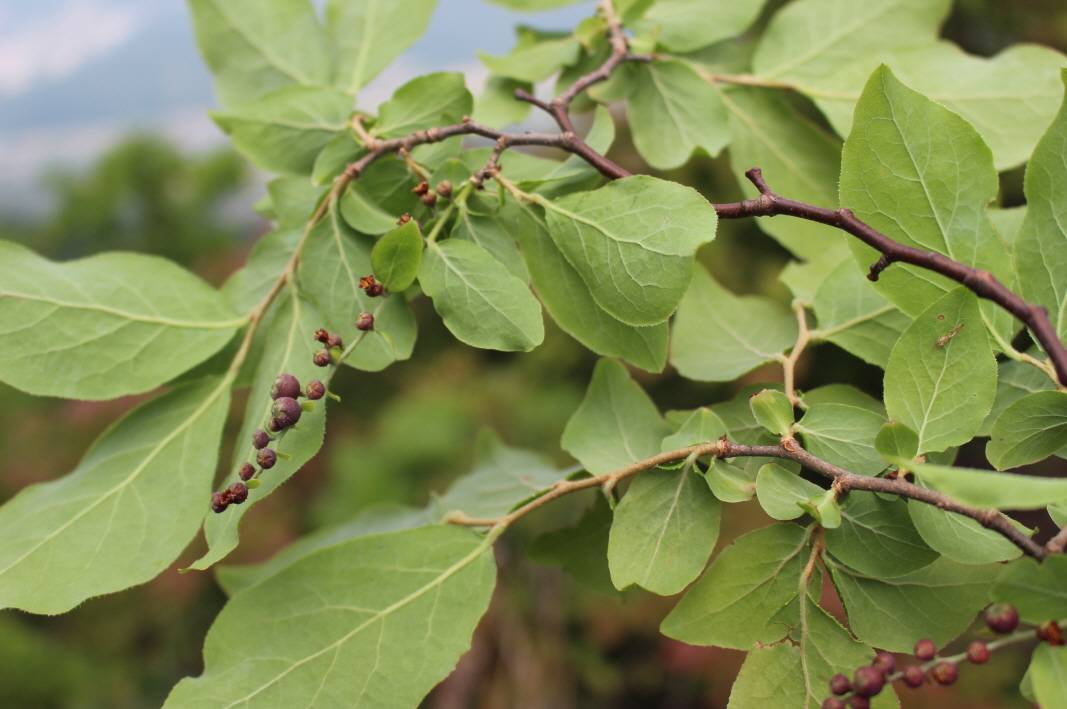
{"points": [[789, 362], [1058, 543]]}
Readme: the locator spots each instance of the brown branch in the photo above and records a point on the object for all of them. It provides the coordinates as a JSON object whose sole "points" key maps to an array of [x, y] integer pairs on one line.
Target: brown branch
{"points": [[983, 283], [1058, 543]]}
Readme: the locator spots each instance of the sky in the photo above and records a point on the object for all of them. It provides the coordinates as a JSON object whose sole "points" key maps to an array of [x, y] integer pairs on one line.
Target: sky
{"points": [[76, 75]]}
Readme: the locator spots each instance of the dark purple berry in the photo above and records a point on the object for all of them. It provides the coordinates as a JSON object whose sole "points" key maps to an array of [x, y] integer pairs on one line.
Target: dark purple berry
{"points": [[945, 673], [285, 385], [867, 682], [885, 663], [246, 471], [1050, 632], [321, 335], [315, 390], [321, 358], [1002, 618], [260, 439], [219, 502], [335, 341], [266, 458], [238, 493], [286, 411], [273, 426], [365, 322], [978, 652], [925, 650], [371, 286], [914, 676], [833, 703], [839, 684], [858, 702]]}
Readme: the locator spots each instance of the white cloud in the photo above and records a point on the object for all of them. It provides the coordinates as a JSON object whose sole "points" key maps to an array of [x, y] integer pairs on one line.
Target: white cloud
{"points": [[55, 46]]}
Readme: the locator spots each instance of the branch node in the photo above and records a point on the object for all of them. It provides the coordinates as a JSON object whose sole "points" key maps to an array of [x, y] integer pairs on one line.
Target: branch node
{"points": [[755, 176], [878, 266]]}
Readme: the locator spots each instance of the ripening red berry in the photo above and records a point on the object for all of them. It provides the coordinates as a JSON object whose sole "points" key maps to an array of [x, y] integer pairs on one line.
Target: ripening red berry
{"points": [[404, 219], [219, 502], [1050, 632], [839, 684], [858, 702], [429, 199], [371, 286], [444, 188], [1002, 618], [286, 411], [266, 458], [335, 341], [321, 358], [868, 681], [945, 673], [421, 188], [285, 385], [315, 390], [978, 652], [885, 663], [914, 676], [833, 703], [322, 335], [246, 471], [238, 493], [925, 650], [260, 439], [273, 426], [365, 322]]}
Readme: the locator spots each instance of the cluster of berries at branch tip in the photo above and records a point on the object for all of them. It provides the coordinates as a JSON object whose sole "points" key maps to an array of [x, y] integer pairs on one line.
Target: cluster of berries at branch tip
{"points": [[428, 196], [868, 681], [371, 286], [285, 412], [332, 348]]}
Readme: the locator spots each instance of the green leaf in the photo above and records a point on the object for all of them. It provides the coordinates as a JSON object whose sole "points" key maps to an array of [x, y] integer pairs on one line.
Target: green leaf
{"points": [[782, 492], [342, 149], [428, 101], [920, 174], [1048, 675], [730, 483], [1041, 247], [124, 514], [616, 423], [570, 301], [481, 303], [842, 394], [288, 347], [942, 375], [484, 223], [534, 58], [718, 336], [855, 317], [1030, 430], [663, 532], [938, 601], [771, 676], [350, 642], [701, 426], [331, 264], [76, 330], [1014, 381], [1037, 590], [672, 112], [895, 441], [773, 410], [246, 287], [685, 25], [396, 257], [373, 204], [985, 488], [959, 538], [632, 242], [533, 5], [253, 47], [581, 550], [877, 537], [735, 602], [370, 34], [497, 105], [843, 435]]}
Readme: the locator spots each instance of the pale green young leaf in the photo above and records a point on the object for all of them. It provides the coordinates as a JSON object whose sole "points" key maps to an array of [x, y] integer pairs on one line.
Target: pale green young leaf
{"points": [[534, 58], [478, 299], [104, 326], [938, 601], [331, 264], [1031, 429], [293, 200], [986, 488], [895, 441], [370, 34], [342, 149], [632, 242], [1037, 590], [877, 537], [490, 225], [781, 492], [719, 336], [843, 435], [672, 112], [396, 257], [773, 410], [616, 423], [663, 532], [124, 514], [730, 483], [350, 642], [842, 394], [701, 426], [735, 602], [685, 25], [1008, 221], [1048, 675], [959, 538], [497, 106], [1015, 380], [570, 302], [942, 376], [253, 47], [374, 203], [288, 347], [428, 101]]}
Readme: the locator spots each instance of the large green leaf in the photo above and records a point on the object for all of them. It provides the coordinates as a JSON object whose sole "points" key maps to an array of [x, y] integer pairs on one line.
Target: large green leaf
{"points": [[396, 257], [632, 243], [616, 423], [685, 25], [1031, 429], [959, 538], [942, 376], [855, 317], [350, 642], [370, 34], [480, 301], [104, 326], [735, 602], [920, 174], [1048, 675], [1037, 590], [986, 488], [253, 47], [719, 336], [663, 532], [1014, 381], [877, 537], [124, 514], [425, 102], [843, 435]]}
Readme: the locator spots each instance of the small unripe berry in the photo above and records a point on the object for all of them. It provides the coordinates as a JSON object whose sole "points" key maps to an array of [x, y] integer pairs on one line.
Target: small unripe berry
{"points": [[978, 652], [1050, 632], [266, 458], [335, 341], [945, 673], [914, 676], [238, 493], [404, 219], [260, 439], [444, 188], [365, 322], [839, 684], [321, 335], [315, 390], [219, 502], [1002, 618], [286, 411], [371, 286], [285, 385], [885, 663], [833, 703], [321, 358], [429, 199], [421, 188], [925, 650], [246, 471], [867, 682], [858, 702]]}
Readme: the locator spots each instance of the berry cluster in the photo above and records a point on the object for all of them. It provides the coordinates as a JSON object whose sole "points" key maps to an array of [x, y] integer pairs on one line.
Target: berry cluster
{"points": [[428, 197], [332, 348], [869, 681], [371, 286]]}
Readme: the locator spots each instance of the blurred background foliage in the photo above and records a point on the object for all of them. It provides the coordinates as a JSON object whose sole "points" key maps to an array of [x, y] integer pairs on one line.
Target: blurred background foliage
{"points": [[549, 640]]}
